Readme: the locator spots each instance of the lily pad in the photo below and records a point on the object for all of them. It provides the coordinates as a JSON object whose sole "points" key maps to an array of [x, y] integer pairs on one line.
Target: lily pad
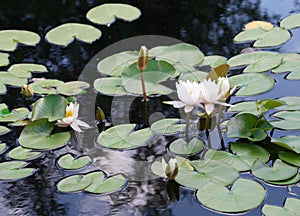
{"points": [[245, 107], [20, 153], [47, 86], [261, 24], [24, 70], [291, 208], [114, 65], [102, 185], [74, 183], [274, 37], [288, 120], [244, 195], [4, 59], [290, 181], [180, 146], [252, 84], [9, 39], [291, 21], [110, 86], [15, 115], [214, 60], [197, 76], [259, 61], [289, 142], [9, 79], [73, 88], [66, 33], [14, 170], [124, 137], [106, 14], [290, 157], [3, 148], [250, 35], [280, 170], [68, 162], [4, 130], [291, 103], [167, 126], [290, 63], [37, 135], [52, 107]]}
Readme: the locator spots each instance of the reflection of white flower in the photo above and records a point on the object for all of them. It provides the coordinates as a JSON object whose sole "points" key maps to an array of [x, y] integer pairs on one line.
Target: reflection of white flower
{"points": [[188, 93], [71, 118], [170, 168]]}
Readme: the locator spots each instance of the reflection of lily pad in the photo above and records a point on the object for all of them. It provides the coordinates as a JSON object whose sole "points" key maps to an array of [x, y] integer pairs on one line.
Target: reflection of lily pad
{"points": [[20, 153], [244, 195], [291, 21], [290, 157], [167, 126], [72, 88], [24, 69], [180, 146], [74, 183], [110, 86], [291, 208], [4, 59], [4, 130], [3, 147], [289, 142], [14, 170], [290, 63], [15, 115], [67, 161], [47, 86]]}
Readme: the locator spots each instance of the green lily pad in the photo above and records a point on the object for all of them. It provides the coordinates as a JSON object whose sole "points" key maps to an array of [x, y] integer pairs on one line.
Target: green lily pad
{"points": [[14, 170], [250, 35], [124, 137], [244, 107], [52, 107], [167, 126], [289, 142], [24, 70], [259, 61], [4, 59], [110, 86], [3, 148], [4, 130], [68, 162], [9, 39], [291, 208], [274, 37], [2, 88], [183, 53], [102, 185], [37, 135], [106, 14], [114, 65], [20, 153], [180, 146], [290, 181], [280, 170], [291, 21], [244, 195], [74, 183], [73, 88], [290, 63], [252, 84], [290, 157], [197, 76], [214, 60], [9, 79], [288, 120], [47, 86], [15, 115], [66, 33], [291, 103]]}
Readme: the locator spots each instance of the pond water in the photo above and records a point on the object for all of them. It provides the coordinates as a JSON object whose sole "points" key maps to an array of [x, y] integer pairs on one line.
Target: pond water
{"points": [[210, 25]]}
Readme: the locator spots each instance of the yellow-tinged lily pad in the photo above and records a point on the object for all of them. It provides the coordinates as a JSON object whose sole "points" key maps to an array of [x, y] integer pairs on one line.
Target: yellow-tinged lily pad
{"points": [[257, 23]]}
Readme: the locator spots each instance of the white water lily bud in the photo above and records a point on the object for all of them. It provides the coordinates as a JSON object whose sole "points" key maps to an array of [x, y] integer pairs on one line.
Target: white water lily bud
{"points": [[170, 168], [27, 90], [142, 59]]}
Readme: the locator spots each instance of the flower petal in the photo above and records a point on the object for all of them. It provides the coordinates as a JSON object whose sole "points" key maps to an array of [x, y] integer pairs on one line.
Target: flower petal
{"points": [[209, 108], [82, 123], [188, 109], [75, 126]]}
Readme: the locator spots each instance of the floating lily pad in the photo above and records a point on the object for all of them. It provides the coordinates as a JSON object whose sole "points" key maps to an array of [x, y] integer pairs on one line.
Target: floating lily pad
{"points": [[37, 135], [24, 70], [180, 146], [291, 21], [67, 161], [167, 126], [214, 60], [3, 148], [288, 120], [274, 37], [14, 170], [52, 107], [66, 33], [289, 142], [110, 86], [74, 183], [4, 130], [15, 115], [20, 153], [258, 23], [9, 79], [114, 65], [73, 88], [250, 35], [252, 84], [290, 181], [197, 76], [290, 157], [244, 195], [291, 208], [102, 185], [124, 137], [9, 39], [4, 59], [47, 86], [280, 171], [291, 103], [245, 107], [106, 14], [290, 63], [259, 61]]}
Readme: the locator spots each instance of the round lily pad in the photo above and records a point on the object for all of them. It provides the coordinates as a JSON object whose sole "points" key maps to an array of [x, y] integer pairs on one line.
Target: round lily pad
{"points": [[214, 60], [106, 14], [74, 183], [65, 34], [180, 146], [290, 142], [291, 208], [274, 37], [291, 103], [197, 76], [69, 162], [15, 115], [288, 120], [4, 130], [250, 35], [110, 86], [9, 79], [124, 137], [291, 21], [290, 157], [167, 126], [15, 170], [244, 195], [4, 59], [244, 107], [24, 70], [290, 63], [290, 181], [73, 88], [47, 86], [3, 148], [20, 153]]}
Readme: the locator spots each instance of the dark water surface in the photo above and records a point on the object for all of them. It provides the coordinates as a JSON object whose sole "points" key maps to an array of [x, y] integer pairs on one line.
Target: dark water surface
{"points": [[210, 25]]}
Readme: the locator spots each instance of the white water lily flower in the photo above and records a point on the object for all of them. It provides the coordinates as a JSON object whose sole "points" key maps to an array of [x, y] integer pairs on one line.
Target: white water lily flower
{"points": [[170, 168], [71, 118], [188, 93]]}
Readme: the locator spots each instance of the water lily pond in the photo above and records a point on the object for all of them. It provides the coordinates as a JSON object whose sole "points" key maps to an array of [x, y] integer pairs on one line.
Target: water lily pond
{"points": [[150, 108]]}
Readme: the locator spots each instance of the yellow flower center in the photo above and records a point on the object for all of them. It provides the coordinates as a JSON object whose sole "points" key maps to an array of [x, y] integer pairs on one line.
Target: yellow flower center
{"points": [[69, 113]]}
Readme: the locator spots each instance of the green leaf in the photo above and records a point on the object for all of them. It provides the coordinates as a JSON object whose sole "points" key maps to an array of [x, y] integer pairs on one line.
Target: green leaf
{"points": [[110, 86], [259, 61], [289, 181], [52, 107], [14, 170], [4, 59], [268, 104], [20, 153], [252, 84], [291, 103], [291, 21], [244, 195], [291, 142], [65, 34], [290, 63], [73, 88], [197, 76], [250, 35], [9, 39], [214, 60], [74, 183], [280, 171], [9, 79], [47, 86], [24, 70], [245, 107], [291, 208], [2, 88], [15, 115], [288, 120], [4, 130], [290, 157], [37, 135], [106, 14], [180, 146], [124, 137], [3, 148], [68, 162], [167, 126], [274, 37]]}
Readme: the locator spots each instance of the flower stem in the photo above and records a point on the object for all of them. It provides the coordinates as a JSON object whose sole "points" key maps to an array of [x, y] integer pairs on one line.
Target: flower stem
{"points": [[207, 123], [187, 124], [143, 86], [220, 115]]}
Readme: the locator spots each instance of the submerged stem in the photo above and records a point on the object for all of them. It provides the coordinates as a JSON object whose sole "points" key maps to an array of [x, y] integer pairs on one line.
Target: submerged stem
{"points": [[187, 124]]}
